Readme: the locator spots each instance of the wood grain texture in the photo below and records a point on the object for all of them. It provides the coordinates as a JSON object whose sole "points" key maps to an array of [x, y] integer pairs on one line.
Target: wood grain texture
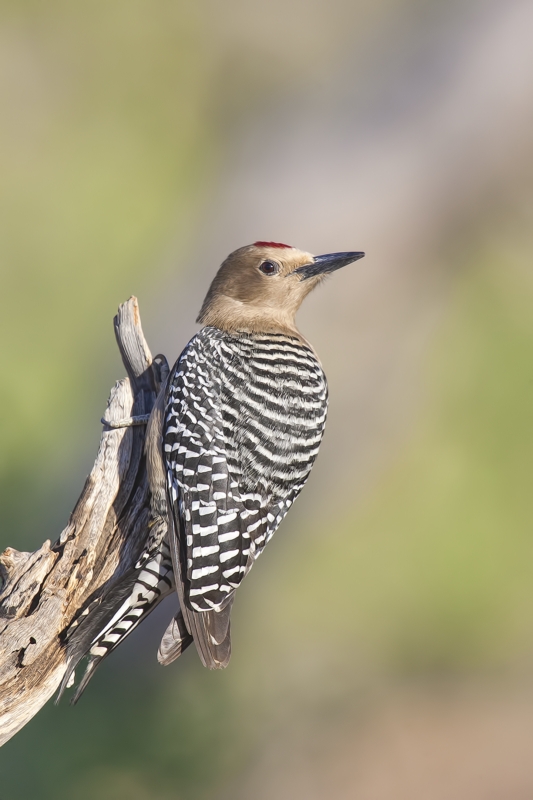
{"points": [[44, 592]]}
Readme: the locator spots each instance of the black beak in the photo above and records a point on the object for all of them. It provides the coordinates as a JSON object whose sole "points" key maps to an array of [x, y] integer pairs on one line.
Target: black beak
{"points": [[328, 263]]}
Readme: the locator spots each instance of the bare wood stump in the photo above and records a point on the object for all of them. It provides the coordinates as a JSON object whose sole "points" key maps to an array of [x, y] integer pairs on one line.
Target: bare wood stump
{"points": [[43, 592]]}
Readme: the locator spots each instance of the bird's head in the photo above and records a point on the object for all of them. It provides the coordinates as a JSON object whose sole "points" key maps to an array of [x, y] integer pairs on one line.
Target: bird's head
{"points": [[260, 287]]}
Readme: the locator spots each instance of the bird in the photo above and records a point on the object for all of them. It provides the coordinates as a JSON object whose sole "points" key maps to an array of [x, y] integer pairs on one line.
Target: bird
{"points": [[230, 444]]}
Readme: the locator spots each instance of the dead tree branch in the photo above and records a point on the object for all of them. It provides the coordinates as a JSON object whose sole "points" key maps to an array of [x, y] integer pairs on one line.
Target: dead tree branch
{"points": [[43, 592]]}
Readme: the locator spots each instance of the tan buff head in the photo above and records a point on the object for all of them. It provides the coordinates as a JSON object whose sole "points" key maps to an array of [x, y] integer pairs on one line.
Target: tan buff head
{"points": [[260, 287]]}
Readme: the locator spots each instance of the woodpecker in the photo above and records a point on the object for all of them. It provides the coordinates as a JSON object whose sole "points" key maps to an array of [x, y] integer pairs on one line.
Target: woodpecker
{"points": [[230, 443]]}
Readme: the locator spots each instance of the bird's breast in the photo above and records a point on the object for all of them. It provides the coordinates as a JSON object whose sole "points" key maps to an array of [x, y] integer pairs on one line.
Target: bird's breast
{"points": [[274, 404]]}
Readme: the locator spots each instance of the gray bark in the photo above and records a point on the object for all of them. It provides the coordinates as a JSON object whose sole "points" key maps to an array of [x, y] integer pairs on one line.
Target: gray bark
{"points": [[43, 592]]}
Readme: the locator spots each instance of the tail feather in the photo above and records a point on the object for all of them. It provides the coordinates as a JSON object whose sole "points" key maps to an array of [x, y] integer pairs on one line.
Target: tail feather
{"points": [[210, 630], [118, 614], [206, 628], [175, 640]]}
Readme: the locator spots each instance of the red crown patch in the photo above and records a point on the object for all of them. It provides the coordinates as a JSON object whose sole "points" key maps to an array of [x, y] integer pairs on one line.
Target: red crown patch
{"points": [[271, 244]]}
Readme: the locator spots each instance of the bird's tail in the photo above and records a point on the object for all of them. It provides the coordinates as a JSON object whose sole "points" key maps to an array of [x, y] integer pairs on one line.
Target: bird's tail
{"points": [[175, 640], [103, 627]]}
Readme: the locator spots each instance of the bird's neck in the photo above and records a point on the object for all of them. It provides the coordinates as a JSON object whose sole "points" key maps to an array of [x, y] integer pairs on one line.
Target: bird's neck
{"points": [[231, 315]]}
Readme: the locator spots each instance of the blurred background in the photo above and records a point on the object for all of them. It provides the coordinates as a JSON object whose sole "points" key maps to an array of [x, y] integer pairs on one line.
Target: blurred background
{"points": [[383, 647]]}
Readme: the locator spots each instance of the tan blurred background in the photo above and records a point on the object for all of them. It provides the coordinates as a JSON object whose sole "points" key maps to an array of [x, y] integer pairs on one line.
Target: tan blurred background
{"points": [[383, 647]]}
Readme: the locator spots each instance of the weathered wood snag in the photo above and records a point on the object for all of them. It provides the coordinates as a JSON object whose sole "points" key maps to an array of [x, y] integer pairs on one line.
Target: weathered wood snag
{"points": [[45, 591]]}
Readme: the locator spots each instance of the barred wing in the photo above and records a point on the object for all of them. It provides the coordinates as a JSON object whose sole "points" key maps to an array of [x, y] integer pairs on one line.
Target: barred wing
{"points": [[244, 420], [213, 522]]}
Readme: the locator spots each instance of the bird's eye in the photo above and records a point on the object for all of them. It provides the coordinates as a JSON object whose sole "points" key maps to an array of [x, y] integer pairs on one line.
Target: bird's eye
{"points": [[269, 268]]}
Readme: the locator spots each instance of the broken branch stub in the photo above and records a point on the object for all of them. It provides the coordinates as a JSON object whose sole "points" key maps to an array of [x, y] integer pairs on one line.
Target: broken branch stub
{"points": [[43, 592]]}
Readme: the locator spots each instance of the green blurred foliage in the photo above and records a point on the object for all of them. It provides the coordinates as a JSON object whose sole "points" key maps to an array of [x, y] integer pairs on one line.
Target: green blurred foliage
{"points": [[111, 114], [103, 146]]}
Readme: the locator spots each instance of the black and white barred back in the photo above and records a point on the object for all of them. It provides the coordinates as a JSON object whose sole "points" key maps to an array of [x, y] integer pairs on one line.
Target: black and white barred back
{"points": [[245, 415]]}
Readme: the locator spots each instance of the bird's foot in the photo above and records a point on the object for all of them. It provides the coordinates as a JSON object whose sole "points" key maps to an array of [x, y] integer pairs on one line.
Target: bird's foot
{"points": [[126, 422]]}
